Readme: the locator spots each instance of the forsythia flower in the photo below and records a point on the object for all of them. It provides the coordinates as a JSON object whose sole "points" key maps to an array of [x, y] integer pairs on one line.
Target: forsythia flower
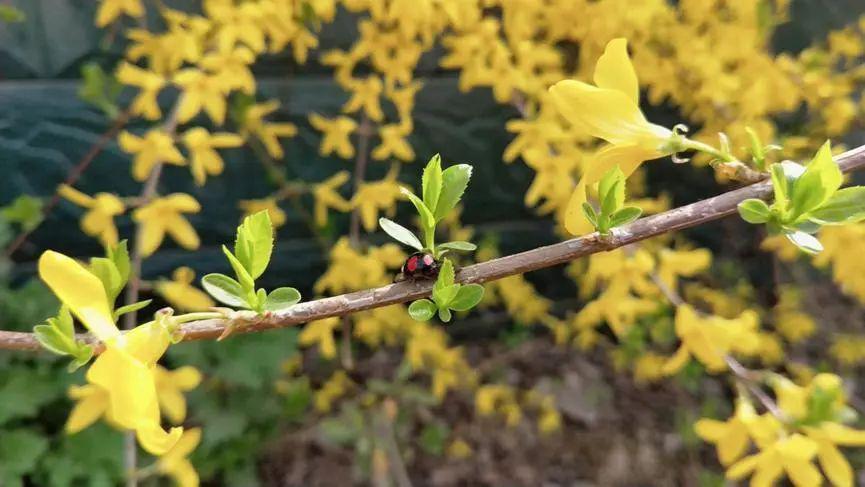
{"points": [[709, 339], [730, 437], [149, 83], [203, 158], [174, 462], [366, 95], [610, 111], [267, 132], [277, 216], [393, 143], [98, 221], [351, 269], [374, 196], [155, 147], [181, 294], [170, 386], [165, 215], [326, 196], [336, 133], [201, 91], [125, 370], [320, 332], [109, 10], [331, 390]]}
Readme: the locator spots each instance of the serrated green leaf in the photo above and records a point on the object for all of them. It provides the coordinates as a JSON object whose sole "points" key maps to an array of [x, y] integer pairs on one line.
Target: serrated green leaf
{"points": [[458, 245], [107, 272], [611, 191], [400, 233], [821, 179], [468, 296], [624, 216], [129, 308], [804, 241], [845, 206], [246, 281], [426, 216], [281, 298], [254, 243], [431, 182], [422, 310], [225, 290], [754, 211], [455, 179]]}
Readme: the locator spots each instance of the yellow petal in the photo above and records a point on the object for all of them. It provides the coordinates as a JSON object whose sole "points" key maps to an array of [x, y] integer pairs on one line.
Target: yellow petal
{"points": [[173, 404], [614, 70], [834, 465], [843, 435], [146, 343], [151, 234], [75, 196], [155, 440], [130, 385], [743, 467], [183, 233], [83, 292], [91, 405], [627, 157], [710, 429], [605, 114], [184, 474], [768, 471], [677, 361], [186, 378]]}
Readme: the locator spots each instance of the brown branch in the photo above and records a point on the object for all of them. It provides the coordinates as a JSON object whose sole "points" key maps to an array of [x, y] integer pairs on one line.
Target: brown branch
{"points": [[677, 219]]}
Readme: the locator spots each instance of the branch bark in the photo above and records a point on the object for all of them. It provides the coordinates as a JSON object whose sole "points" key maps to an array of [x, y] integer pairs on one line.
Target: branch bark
{"points": [[677, 219]]}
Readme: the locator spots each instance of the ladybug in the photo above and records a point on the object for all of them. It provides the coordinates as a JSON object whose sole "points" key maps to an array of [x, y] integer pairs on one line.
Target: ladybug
{"points": [[419, 265]]}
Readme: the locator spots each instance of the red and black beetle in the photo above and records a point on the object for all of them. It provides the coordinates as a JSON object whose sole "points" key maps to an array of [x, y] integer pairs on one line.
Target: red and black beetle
{"points": [[419, 265]]}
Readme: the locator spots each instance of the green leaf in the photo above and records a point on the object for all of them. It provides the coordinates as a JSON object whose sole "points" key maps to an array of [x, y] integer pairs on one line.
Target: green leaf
{"points": [[458, 245], [624, 216], [804, 241], [254, 243], [426, 216], [845, 206], [99, 88], [433, 438], [24, 210], [446, 274], [260, 299], [400, 233], [455, 179], [780, 185], [225, 290], [129, 308], [757, 152], [11, 15], [119, 254], [589, 212], [444, 295], [281, 298], [246, 281], [81, 357], [754, 211], [422, 310], [53, 340], [821, 179], [20, 450], [468, 296], [444, 314], [611, 191], [431, 182], [107, 272], [63, 321]]}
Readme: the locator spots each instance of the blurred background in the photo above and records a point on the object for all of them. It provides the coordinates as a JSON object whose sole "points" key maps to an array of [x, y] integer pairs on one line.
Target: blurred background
{"points": [[276, 413]]}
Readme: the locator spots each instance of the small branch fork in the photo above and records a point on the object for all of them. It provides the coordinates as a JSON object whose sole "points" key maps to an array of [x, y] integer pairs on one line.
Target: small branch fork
{"points": [[677, 219]]}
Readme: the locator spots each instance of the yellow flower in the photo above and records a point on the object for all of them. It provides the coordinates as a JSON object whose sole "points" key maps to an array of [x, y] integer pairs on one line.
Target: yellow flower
{"points": [[154, 148], [267, 132], [174, 462], [610, 111], [231, 68], [277, 216], [181, 294], [709, 339], [459, 449], [164, 215], [125, 369], [366, 95], [731, 438], [326, 196], [320, 333], [336, 133], [201, 91], [203, 158], [170, 386], [374, 196], [331, 390], [91, 403], [109, 10], [393, 142], [149, 83], [792, 455], [98, 221]]}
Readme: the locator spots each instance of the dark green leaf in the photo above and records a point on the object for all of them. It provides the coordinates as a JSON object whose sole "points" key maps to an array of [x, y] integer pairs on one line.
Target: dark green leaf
{"points": [[20, 450], [455, 179], [400, 233], [754, 211], [225, 290], [431, 182], [281, 298], [845, 206], [422, 310], [624, 216], [468, 296]]}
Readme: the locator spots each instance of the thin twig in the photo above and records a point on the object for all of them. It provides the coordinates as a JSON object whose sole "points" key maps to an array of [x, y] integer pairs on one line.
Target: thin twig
{"points": [[669, 221]]}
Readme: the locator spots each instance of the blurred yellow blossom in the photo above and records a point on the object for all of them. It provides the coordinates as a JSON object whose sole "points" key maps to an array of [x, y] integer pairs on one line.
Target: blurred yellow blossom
{"points": [[374, 196], [110, 10], [170, 386], [181, 294], [320, 332], [277, 215], [203, 158], [201, 91], [268, 133], [165, 215], [336, 133], [175, 463], [149, 83], [156, 147], [710, 338], [393, 143], [326, 196], [98, 221]]}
